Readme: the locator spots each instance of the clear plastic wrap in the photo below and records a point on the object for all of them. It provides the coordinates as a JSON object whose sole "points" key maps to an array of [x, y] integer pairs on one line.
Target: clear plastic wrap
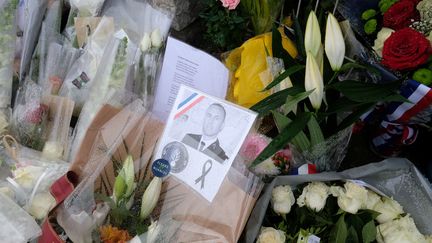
{"points": [[16, 226], [7, 50], [29, 117], [34, 12], [81, 74], [111, 77], [87, 7], [114, 134], [328, 155], [60, 115]]}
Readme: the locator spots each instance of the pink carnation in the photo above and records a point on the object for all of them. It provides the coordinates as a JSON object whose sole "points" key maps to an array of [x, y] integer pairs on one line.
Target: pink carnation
{"points": [[230, 4], [253, 146]]}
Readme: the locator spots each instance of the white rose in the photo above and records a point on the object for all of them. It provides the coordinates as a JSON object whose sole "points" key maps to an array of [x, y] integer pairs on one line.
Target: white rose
{"points": [[271, 235], [353, 198], [399, 230], [41, 204], [145, 42], [389, 209], [314, 196], [267, 167], [27, 176], [156, 38], [282, 199], [382, 36], [372, 200]]}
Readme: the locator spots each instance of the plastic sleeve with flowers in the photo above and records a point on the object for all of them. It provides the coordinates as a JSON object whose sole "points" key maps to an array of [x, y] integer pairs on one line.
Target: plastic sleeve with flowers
{"points": [[29, 117], [60, 115], [115, 180], [7, 50], [110, 77]]}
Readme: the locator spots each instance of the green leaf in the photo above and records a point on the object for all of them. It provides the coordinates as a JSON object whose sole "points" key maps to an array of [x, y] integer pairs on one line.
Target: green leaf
{"points": [[369, 232], [301, 141], [105, 198], [279, 51], [275, 100], [315, 132], [340, 232], [284, 75], [367, 92], [352, 65], [353, 117], [299, 38], [352, 235], [281, 140], [342, 104], [295, 99]]}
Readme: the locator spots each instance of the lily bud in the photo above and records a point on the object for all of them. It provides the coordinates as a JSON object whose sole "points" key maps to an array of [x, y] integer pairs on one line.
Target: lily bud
{"points": [[312, 34], [150, 197], [124, 184], [314, 81], [334, 43], [156, 38], [145, 42], [153, 232]]}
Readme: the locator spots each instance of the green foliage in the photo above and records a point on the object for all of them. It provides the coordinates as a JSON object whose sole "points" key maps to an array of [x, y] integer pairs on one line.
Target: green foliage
{"points": [[384, 5], [225, 29], [370, 26], [368, 14]]}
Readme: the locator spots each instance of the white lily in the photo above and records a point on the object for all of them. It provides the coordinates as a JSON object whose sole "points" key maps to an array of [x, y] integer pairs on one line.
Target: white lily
{"points": [[312, 36], [156, 38], [334, 43], [314, 81], [145, 42]]}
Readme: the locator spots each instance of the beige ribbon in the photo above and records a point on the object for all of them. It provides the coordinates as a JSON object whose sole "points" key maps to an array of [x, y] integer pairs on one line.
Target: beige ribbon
{"points": [[11, 145]]}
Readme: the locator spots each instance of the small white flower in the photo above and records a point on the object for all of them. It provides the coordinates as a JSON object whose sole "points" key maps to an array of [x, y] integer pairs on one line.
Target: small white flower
{"points": [[156, 38], [271, 235], [41, 204], [282, 199], [145, 42], [399, 230], [389, 209], [314, 196], [52, 150], [352, 198], [334, 43], [267, 167], [382, 36]]}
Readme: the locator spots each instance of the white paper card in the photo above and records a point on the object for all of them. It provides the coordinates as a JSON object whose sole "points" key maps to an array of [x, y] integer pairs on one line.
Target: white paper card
{"points": [[184, 64], [201, 139]]}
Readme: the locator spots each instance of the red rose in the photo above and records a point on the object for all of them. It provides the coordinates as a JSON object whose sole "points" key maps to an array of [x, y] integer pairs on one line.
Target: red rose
{"points": [[401, 15], [36, 116], [413, 1], [406, 49]]}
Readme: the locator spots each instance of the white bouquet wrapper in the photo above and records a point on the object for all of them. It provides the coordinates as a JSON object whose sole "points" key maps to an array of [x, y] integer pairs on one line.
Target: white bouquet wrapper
{"points": [[87, 7], [7, 50], [397, 178]]}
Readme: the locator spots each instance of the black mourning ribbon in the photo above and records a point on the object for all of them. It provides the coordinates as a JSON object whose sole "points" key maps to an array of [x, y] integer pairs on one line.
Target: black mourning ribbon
{"points": [[205, 171]]}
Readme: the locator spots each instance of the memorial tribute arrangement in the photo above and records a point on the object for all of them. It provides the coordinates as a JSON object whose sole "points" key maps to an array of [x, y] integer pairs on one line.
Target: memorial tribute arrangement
{"points": [[113, 129]]}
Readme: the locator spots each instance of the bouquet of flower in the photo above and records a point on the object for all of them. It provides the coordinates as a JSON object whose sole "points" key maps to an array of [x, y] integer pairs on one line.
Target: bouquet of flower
{"points": [[29, 117], [320, 102], [350, 206]]}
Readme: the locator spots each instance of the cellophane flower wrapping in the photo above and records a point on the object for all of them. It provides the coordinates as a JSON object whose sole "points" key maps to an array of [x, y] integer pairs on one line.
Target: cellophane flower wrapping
{"points": [[7, 50], [397, 178], [328, 155], [30, 178], [29, 117], [114, 134]]}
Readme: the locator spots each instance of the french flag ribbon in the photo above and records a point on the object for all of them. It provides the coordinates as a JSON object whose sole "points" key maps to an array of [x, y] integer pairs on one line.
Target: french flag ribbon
{"points": [[306, 169], [397, 128], [187, 104]]}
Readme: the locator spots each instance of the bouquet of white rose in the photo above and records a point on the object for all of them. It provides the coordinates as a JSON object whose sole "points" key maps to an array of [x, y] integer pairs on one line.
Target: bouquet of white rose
{"points": [[322, 207]]}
